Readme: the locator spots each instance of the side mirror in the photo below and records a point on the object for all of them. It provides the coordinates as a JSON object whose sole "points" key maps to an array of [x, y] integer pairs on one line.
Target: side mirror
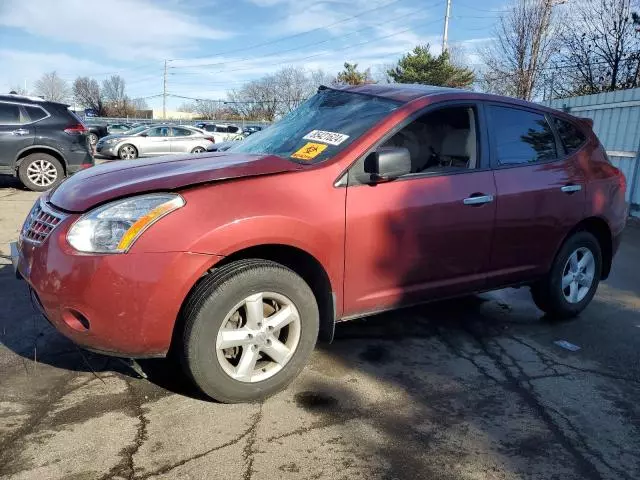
{"points": [[387, 163], [144, 134]]}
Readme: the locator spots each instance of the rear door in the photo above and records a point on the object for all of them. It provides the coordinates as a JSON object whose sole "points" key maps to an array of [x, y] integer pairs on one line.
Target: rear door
{"points": [[181, 140], [541, 194], [16, 133]]}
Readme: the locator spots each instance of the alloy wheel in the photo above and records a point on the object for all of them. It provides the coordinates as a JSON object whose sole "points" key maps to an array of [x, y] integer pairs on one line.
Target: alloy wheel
{"points": [[578, 275], [258, 337], [42, 173], [198, 150], [127, 152]]}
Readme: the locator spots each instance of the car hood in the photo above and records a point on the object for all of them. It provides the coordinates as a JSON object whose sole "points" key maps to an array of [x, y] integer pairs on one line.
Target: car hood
{"points": [[102, 183]]}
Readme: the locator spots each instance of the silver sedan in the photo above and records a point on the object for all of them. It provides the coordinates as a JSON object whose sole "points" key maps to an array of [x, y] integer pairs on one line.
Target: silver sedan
{"points": [[148, 141]]}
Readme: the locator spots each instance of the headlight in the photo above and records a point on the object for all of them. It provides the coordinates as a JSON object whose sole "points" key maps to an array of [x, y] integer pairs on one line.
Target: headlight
{"points": [[112, 228], [111, 141]]}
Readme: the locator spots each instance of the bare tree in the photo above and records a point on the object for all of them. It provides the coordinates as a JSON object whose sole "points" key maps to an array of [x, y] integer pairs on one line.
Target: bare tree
{"points": [[137, 104], [256, 100], [292, 87], [207, 109], [600, 48], [51, 87], [114, 96], [86, 92], [526, 38]]}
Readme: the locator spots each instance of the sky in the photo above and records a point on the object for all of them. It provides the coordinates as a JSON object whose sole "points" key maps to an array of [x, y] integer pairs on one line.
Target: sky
{"points": [[212, 46]]}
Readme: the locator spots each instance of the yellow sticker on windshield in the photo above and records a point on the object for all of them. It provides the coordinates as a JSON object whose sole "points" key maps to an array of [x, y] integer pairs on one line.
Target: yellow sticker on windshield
{"points": [[309, 151]]}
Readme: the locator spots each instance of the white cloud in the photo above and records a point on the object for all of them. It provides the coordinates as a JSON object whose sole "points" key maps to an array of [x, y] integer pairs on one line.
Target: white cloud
{"points": [[129, 31]]}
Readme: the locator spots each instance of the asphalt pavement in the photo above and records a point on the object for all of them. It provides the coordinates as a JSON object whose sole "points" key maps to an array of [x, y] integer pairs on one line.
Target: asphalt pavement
{"points": [[474, 388]]}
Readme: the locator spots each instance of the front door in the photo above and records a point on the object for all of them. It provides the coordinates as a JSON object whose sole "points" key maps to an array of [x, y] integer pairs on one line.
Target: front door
{"points": [[157, 141], [427, 234], [15, 133], [541, 194]]}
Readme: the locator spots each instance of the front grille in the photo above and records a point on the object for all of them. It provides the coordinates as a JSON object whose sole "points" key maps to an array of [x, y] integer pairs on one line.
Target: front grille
{"points": [[40, 223]]}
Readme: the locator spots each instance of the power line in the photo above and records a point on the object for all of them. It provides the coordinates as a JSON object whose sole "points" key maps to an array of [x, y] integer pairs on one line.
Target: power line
{"points": [[296, 35], [298, 59], [300, 47]]}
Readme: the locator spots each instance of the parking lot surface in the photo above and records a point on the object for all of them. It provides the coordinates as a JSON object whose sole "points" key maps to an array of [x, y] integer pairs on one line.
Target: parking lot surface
{"points": [[474, 388]]}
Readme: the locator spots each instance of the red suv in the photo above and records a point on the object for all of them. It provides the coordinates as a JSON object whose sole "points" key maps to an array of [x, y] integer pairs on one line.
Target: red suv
{"points": [[364, 199]]}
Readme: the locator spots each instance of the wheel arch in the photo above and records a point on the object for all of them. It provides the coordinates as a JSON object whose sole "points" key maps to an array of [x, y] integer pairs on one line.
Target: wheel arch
{"points": [[40, 149], [600, 229], [301, 262]]}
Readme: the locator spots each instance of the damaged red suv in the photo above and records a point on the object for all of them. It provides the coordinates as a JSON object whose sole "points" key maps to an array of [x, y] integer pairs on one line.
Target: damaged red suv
{"points": [[364, 199]]}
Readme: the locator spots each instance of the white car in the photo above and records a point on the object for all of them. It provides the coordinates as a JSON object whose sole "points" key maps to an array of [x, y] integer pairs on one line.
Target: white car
{"points": [[221, 132]]}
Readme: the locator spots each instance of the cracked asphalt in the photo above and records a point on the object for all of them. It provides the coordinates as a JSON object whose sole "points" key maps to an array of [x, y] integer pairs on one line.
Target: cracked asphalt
{"points": [[473, 388]]}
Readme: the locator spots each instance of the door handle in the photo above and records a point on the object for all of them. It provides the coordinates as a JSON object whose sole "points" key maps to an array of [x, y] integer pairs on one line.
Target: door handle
{"points": [[571, 188], [478, 200], [20, 131]]}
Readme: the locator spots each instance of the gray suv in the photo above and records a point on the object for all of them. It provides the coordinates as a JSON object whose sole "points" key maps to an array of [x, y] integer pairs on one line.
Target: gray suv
{"points": [[41, 142]]}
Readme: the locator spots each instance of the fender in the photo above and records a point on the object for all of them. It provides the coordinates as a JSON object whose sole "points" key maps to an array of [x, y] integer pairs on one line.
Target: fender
{"points": [[18, 160]]}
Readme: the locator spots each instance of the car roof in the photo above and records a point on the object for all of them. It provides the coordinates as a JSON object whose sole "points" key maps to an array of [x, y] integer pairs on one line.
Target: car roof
{"points": [[11, 97], [407, 92]]}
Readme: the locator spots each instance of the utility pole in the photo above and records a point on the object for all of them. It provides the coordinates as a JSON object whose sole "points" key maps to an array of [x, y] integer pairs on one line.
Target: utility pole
{"points": [[164, 93], [445, 35]]}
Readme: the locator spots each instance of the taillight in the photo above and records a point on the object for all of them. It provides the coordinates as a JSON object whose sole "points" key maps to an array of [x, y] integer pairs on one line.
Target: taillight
{"points": [[211, 139], [76, 129]]}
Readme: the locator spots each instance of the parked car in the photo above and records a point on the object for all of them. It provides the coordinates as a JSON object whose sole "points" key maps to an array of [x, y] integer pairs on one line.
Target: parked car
{"points": [[115, 128], [144, 141], [249, 129], [222, 146], [96, 132], [366, 199], [222, 133], [41, 142]]}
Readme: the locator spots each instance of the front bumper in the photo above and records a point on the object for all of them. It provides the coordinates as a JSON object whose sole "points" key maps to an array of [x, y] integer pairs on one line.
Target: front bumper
{"points": [[109, 150], [121, 304]]}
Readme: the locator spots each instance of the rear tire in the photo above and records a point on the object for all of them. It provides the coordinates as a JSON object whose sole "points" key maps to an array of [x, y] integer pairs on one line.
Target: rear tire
{"points": [[93, 139], [40, 172], [273, 318], [573, 279], [199, 150]]}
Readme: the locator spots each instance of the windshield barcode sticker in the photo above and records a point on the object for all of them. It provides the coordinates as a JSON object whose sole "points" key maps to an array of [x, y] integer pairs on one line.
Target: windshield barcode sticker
{"points": [[331, 138]]}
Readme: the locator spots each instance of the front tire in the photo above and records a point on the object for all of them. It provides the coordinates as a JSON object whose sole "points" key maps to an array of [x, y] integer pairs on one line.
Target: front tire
{"points": [[40, 172], [249, 329], [127, 152], [573, 280]]}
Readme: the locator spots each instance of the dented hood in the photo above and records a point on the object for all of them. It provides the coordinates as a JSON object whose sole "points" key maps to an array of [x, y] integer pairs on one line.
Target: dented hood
{"points": [[122, 178]]}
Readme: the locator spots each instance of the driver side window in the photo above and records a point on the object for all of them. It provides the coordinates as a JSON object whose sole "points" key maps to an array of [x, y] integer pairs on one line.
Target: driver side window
{"points": [[441, 141]]}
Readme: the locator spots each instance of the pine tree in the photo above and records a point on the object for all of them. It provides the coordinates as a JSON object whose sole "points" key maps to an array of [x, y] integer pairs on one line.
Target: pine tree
{"points": [[421, 66]]}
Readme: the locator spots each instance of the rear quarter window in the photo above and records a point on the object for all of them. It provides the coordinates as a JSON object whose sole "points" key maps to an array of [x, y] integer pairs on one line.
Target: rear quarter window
{"points": [[570, 135], [35, 113]]}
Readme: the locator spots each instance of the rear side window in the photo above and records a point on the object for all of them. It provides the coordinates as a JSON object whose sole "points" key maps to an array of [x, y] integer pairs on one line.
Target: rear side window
{"points": [[572, 138], [221, 129], [209, 128], [35, 113], [233, 129], [181, 132], [521, 137], [10, 114]]}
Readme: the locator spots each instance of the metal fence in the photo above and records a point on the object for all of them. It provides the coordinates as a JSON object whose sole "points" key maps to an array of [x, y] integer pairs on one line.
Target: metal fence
{"points": [[616, 121]]}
